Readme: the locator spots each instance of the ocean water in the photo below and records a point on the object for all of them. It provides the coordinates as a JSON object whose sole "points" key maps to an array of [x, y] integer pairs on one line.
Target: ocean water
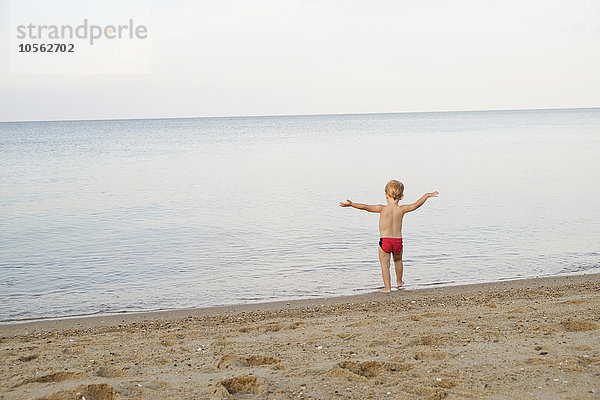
{"points": [[132, 215]]}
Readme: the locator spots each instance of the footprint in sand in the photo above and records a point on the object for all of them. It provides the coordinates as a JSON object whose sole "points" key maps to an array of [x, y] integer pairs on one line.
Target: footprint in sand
{"points": [[445, 383], [578, 326], [430, 355], [273, 327], [56, 377], [428, 340], [110, 372], [28, 358], [354, 370], [235, 361], [240, 386], [100, 391]]}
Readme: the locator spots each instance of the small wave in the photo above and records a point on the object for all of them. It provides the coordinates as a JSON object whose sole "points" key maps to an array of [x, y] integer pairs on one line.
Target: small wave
{"points": [[438, 283], [580, 267], [32, 319]]}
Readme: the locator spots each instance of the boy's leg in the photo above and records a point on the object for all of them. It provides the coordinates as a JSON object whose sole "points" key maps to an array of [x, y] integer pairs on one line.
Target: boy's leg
{"points": [[399, 268], [384, 259]]}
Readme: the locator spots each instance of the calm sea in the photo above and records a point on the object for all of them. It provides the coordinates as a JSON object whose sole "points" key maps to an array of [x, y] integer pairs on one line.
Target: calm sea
{"points": [[131, 215]]}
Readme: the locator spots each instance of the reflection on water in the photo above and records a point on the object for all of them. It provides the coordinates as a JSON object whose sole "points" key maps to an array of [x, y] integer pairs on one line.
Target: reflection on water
{"points": [[105, 216]]}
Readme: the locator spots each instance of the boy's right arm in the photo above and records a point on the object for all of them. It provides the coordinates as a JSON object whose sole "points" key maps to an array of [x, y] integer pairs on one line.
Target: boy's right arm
{"points": [[419, 203], [370, 208]]}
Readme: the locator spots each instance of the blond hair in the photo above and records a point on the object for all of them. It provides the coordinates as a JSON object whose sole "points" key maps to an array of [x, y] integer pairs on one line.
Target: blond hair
{"points": [[394, 189]]}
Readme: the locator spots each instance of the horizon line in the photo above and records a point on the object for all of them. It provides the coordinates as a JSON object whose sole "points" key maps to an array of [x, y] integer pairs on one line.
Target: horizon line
{"points": [[299, 115]]}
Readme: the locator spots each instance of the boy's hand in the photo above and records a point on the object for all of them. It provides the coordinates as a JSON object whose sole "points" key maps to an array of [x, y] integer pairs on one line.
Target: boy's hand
{"points": [[434, 194], [346, 203]]}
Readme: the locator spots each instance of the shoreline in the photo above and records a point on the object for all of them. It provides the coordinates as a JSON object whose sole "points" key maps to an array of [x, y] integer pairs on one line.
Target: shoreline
{"points": [[111, 319], [531, 338]]}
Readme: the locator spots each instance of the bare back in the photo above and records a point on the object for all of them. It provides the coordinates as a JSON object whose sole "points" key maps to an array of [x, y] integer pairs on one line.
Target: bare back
{"points": [[390, 221]]}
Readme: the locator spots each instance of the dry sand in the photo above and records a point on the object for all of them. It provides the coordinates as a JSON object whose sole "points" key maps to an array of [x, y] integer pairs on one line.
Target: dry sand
{"points": [[527, 339]]}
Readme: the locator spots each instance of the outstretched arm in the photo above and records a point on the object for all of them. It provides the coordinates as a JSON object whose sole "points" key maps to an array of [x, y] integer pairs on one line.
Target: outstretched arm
{"points": [[420, 202], [370, 208]]}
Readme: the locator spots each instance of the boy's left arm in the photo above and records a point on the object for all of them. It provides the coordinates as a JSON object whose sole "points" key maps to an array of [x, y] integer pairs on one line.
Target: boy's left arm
{"points": [[370, 208], [419, 203]]}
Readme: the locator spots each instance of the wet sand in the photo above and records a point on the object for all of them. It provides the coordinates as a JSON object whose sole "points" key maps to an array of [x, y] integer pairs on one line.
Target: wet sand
{"points": [[526, 339]]}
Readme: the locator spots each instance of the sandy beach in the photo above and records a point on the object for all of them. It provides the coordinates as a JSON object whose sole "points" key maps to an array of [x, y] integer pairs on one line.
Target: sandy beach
{"points": [[526, 339]]}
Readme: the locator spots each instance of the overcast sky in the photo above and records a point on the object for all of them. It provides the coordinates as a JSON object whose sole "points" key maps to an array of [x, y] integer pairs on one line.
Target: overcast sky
{"points": [[229, 58]]}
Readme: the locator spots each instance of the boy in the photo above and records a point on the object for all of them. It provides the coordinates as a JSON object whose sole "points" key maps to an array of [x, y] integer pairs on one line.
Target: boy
{"points": [[390, 228]]}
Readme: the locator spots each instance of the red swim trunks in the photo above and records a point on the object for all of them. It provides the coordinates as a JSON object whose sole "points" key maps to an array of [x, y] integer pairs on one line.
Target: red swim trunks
{"points": [[390, 245]]}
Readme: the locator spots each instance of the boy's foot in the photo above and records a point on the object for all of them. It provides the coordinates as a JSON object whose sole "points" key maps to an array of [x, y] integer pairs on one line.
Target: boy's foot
{"points": [[400, 284], [385, 290]]}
